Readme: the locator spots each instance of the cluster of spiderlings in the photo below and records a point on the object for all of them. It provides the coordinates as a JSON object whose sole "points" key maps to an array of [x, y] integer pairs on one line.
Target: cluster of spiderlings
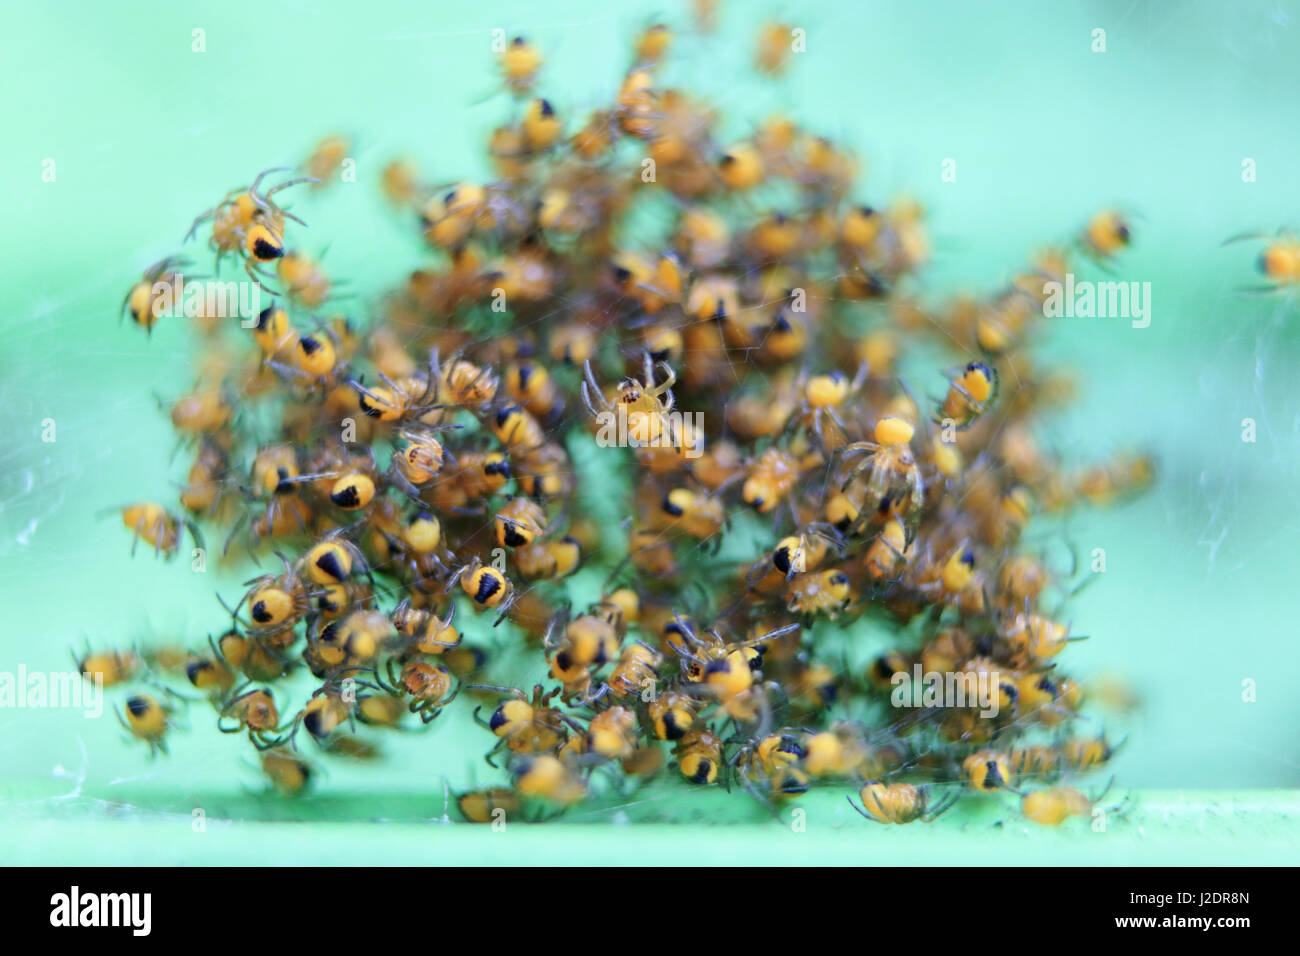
{"points": [[742, 368]]}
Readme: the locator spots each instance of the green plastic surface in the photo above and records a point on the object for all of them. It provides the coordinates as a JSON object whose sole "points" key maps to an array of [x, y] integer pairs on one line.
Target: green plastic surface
{"points": [[1199, 591]]}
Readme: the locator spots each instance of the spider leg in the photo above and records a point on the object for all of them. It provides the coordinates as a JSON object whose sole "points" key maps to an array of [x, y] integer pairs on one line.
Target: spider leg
{"points": [[868, 463], [257, 276], [862, 810], [198, 221], [666, 386], [396, 476], [589, 377]]}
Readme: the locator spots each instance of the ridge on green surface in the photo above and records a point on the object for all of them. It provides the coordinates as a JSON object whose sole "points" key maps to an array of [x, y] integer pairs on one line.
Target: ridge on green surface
{"points": [[1159, 827]]}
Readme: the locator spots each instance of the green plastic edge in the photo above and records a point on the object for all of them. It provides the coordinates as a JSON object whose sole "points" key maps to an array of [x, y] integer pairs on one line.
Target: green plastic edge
{"points": [[1157, 827]]}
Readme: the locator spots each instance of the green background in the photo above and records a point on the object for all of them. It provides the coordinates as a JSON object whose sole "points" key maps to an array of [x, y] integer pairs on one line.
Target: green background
{"points": [[1198, 594]]}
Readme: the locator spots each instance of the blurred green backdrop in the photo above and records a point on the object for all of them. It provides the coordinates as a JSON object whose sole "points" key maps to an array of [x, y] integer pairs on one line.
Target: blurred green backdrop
{"points": [[145, 132]]}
